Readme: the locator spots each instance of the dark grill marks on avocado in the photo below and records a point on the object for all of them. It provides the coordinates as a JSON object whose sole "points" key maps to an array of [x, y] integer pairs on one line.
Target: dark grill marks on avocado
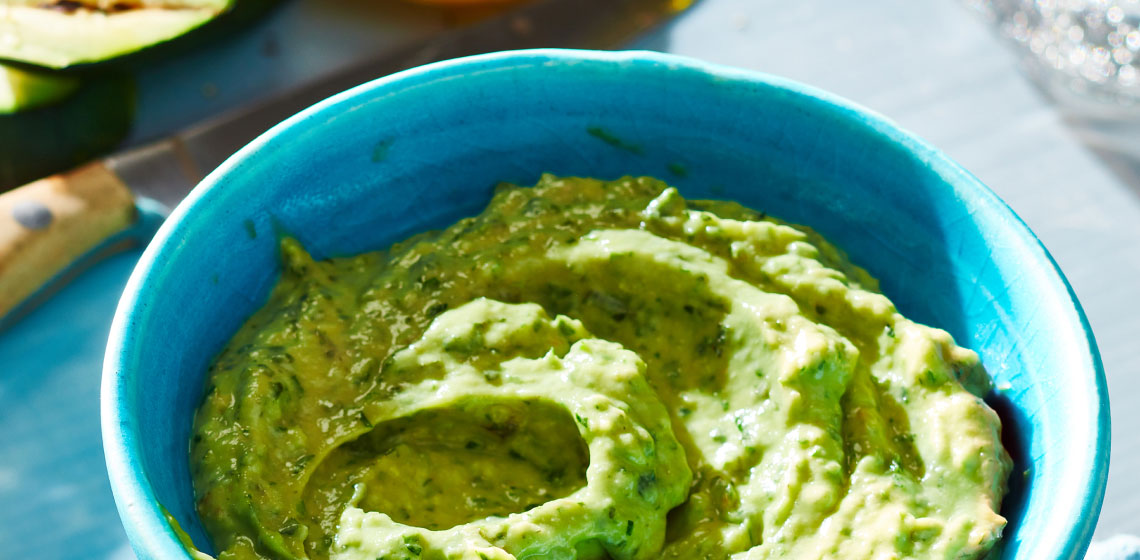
{"points": [[72, 6]]}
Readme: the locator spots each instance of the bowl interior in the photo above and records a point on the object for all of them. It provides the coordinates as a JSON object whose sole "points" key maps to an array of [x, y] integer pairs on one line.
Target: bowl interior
{"points": [[424, 148]]}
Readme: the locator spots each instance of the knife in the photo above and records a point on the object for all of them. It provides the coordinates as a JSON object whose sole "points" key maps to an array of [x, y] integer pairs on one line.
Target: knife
{"points": [[48, 225]]}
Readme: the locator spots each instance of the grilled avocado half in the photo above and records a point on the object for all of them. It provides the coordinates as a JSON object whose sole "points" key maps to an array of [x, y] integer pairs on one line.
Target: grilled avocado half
{"points": [[49, 122], [63, 33]]}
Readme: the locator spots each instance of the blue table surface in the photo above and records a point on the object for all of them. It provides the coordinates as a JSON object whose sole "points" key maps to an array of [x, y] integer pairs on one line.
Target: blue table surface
{"points": [[933, 66]]}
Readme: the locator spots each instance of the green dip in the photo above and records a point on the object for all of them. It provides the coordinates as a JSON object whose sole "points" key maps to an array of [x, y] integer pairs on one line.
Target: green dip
{"points": [[595, 370]]}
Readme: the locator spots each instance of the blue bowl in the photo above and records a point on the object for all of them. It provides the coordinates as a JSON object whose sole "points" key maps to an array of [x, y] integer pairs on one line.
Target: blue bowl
{"points": [[423, 148]]}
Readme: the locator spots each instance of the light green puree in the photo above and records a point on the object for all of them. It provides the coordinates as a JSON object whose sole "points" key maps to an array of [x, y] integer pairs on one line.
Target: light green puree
{"points": [[595, 370]]}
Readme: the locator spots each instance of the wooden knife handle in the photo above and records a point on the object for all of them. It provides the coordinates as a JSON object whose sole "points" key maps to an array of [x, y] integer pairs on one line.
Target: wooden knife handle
{"points": [[48, 224]]}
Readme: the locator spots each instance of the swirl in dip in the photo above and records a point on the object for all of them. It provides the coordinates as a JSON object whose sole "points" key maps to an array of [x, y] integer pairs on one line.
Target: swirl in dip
{"points": [[592, 370]]}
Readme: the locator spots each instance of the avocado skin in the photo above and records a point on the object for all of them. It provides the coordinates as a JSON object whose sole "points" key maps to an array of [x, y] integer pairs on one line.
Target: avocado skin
{"points": [[242, 14], [50, 139]]}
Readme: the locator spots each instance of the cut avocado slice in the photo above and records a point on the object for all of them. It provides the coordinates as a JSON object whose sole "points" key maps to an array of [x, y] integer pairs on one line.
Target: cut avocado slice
{"points": [[62, 33], [21, 89]]}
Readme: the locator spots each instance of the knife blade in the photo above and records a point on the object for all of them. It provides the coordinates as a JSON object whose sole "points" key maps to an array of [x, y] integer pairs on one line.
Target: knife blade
{"points": [[49, 225]]}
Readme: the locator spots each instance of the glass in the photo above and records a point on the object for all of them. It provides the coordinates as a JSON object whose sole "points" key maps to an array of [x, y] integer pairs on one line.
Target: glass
{"points": [[1085, 54]]}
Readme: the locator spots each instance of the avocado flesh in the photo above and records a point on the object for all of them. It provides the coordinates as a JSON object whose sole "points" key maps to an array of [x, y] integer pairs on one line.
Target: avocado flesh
{"points": [[21, 89], [66, 33], [86, 124]]}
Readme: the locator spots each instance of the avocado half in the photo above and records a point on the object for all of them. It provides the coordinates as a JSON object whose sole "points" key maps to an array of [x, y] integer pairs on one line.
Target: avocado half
{"points": [[22, 89], [62, 33], [62, 132]]}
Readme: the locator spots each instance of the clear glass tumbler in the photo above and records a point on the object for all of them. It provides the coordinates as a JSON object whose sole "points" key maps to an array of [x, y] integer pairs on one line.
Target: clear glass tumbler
{"points": [[1086, 55]]}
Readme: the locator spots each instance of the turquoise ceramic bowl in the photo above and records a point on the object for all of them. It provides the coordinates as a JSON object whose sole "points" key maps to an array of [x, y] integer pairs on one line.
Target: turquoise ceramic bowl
{"points": [[420, 149]]}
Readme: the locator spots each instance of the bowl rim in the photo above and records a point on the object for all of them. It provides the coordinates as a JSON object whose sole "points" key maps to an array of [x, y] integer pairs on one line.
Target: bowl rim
{"points": [[142, 515]]}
